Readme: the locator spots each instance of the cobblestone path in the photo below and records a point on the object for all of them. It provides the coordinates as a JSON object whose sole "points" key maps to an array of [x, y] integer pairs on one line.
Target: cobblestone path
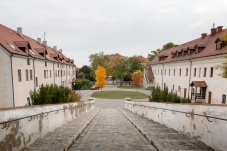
{"points": [[112, 130]]}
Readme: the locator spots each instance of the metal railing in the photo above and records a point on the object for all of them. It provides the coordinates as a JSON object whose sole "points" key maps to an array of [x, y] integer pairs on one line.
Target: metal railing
{"points": [[186, 113], [45, 114]]}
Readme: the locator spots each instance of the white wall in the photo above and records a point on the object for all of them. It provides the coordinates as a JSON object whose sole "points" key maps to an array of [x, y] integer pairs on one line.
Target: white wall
{"points": [[22, 88], [215, 84], [24, 132], [213, 133], [6, 88]]}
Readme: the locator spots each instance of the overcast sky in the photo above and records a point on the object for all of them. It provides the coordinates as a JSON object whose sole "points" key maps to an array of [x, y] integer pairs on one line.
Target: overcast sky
{"points": [[128, 27]]}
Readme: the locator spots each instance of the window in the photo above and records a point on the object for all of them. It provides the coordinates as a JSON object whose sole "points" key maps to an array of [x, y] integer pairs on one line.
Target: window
{"points": [[44, 74], [218, 46], [186, 71], [45, 63], [30, 74], [173, 87], [58, 65], [36, 81], [26, 73], [56, 73], [204, 72], [223, 98], [179, 72], [199, 72], [28, 61], [196, 50], [161, 72], [50, 73], [164, 85], [194, 72], [169, 72], [19, 75], [211, 71], [173, 72], [158, 72]]}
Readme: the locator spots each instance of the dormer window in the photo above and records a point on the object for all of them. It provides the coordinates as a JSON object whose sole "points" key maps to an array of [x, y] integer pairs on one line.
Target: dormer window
{"points": [[177, 54], [218, 46], [189, 51], [196, 50]]}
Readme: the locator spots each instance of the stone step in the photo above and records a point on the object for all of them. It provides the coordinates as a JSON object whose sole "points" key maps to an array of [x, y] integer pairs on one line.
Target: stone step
{"points": [[162, 137], [63, 137]]}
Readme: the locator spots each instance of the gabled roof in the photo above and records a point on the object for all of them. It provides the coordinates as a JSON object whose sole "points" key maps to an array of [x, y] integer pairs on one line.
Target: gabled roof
{"points": [[207, 43], [13, 42]]}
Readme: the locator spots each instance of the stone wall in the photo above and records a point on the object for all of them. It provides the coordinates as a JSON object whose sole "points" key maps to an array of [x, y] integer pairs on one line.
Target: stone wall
{"points": [[207, 123], [29, 123]]}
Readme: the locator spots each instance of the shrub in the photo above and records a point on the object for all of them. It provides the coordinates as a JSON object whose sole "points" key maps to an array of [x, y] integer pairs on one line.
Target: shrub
{"points": [[82, 84], [52, 94], [159, 95]]}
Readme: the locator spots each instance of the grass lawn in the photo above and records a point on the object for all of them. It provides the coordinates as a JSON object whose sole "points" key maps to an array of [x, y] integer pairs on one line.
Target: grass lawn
{"points": [[119, 95], [129, 87]]}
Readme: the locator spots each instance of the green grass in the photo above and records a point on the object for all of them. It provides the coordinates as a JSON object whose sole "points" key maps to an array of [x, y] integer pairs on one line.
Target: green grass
{"points": [[129, 87], [119, 95]]}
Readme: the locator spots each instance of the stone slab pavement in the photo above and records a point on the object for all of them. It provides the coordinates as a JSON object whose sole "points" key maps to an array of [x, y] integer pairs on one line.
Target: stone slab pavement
{"points": [[162, 137], [61, 138], [110, 130]]}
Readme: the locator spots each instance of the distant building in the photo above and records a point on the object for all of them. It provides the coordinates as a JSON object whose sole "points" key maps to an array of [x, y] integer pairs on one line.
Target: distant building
{"points": [[189, 68], [25, 64]]}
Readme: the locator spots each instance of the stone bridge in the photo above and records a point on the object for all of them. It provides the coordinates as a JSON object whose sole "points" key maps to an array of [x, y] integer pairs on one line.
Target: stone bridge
{"points": [[104, 126]]}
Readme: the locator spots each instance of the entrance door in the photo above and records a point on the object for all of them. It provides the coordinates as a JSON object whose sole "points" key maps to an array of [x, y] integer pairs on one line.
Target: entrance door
{"points": [[185, 91], [209, 97]]}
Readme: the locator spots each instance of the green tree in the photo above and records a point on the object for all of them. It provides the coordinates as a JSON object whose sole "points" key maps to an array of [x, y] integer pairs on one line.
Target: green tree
{"points": [[81, 75], [168, 45], [154, 53], [88, 73], [98, 59], [121, 68], [134, 64]]}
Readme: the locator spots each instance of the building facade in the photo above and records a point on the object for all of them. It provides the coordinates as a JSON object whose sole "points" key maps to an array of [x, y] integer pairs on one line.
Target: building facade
{"points": [[25, 64], [190, 69]]}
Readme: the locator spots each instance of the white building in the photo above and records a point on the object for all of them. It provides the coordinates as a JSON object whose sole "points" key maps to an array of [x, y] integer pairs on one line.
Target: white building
{"points": [[190, 68], [25, 64]]}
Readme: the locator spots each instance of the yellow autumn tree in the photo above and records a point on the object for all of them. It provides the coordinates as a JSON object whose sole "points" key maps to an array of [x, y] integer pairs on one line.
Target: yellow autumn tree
{"points": [[137, 78], [100, 77]]}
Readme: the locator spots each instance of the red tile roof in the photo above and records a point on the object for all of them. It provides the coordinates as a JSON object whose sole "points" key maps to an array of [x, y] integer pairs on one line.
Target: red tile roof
{"points": [[12, 42], [143, 59], [207, 42], [201, 84]]}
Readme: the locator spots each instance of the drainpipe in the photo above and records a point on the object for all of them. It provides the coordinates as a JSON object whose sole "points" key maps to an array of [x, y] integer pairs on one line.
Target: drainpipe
{"points": [[189, 76], [162, 75], [53, 73], [66, 73], [34, 74], [61, 74], [11, 60]]}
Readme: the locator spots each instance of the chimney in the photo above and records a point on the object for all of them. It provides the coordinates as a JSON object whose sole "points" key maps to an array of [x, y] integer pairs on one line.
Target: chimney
{"points": [[39, 40], [55, 47], [60, 50], [19, 31], [45, 43], [213, 31], [219, 28], [203, 35]]}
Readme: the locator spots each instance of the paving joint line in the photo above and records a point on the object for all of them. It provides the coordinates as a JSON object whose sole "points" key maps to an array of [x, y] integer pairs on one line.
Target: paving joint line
{"points": [[139, 130], [74, 140]]}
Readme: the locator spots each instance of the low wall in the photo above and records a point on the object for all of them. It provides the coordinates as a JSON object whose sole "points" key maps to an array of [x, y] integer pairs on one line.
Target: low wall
{"points": [[21, 126], [208, 123]]}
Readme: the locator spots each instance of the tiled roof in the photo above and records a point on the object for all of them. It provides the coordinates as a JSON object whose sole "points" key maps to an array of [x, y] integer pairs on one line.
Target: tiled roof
{"points": [[206, 42], [13, 42], [149, 73], [201, 84], [143, 59]]}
